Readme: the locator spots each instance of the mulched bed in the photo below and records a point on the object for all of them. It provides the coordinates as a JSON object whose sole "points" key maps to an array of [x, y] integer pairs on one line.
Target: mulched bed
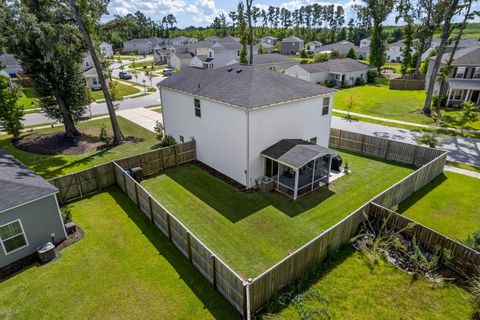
{"points": [[58, 144], [29, 260]]}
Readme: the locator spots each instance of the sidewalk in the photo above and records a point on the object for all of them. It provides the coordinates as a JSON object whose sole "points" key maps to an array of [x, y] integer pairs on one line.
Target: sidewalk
{"points": [[412, 124], [463, 171], [143, 117]]}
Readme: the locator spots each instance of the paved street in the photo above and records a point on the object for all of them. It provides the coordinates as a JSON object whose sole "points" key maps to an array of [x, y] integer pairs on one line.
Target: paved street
{"points": [[460, 149]]}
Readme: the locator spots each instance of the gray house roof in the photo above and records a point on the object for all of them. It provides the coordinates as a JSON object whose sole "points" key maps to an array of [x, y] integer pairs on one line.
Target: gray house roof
{"points": [[296, 153], [341, 46], [244, 86], [259, 59], [8, 60], [292, 39], [20, 185], [336, 65], [467, 56]]}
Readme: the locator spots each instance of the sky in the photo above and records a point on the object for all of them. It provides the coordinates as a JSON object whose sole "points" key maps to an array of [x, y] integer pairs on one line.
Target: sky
{"points": [[202, 12]]}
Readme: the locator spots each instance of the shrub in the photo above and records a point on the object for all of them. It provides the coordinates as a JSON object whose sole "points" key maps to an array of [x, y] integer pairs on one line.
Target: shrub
{"points": [[66, 214], [104, 136], [303, 53], [321, 57], [304, 61], [159, 131], [435, 101], [169, 141], [351, 54], [359, 81], [473, 241], [371, 76], [428, 138]]}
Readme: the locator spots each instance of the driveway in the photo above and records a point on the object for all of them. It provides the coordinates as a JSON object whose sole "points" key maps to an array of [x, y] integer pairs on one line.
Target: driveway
{"points": [[459, 149], [145, 118]]}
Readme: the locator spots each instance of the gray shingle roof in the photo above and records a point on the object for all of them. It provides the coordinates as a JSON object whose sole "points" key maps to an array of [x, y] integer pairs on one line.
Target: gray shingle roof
{"points": [[467, 56], [336, 65], [244, 86], [20, 185], [272, 58], [8, 60], [292, 39], [296, 152], [341, 46]]}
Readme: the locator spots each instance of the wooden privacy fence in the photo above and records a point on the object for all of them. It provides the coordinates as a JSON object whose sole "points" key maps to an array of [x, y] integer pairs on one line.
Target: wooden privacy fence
{"points": [[94, 179], [383, 148], [79, 184], [266, 285], [159, 160], [463, 257], [217, 272]]}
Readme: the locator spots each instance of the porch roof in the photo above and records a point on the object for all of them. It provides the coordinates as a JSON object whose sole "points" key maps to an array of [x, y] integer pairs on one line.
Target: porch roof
{"points": [[464, 84], [296, 153]]}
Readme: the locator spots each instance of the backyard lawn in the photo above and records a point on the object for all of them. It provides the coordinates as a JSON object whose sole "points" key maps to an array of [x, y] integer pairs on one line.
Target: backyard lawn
{"points": [[122, 90], [50, 166], [449, 205], [253, 231], [122, 269], [347, 288], [379, 101]]}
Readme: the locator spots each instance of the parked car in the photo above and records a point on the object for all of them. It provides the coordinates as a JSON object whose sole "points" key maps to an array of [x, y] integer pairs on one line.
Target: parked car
{"points": [[167, 72], [125, 75]]}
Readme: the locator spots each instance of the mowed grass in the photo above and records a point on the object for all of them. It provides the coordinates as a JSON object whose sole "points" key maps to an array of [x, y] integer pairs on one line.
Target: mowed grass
{"points": [[28, 98], [379, 101], [351, 290], [122, 269], [449, 205], [50, 166], [253, 231], [122, 91]]}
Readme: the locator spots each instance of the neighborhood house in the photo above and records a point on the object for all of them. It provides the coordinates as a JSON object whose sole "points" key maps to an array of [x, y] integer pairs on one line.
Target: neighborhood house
{"points": [[291, 45], [463, 82], [250, 122], [336, 72], [29, 213]]}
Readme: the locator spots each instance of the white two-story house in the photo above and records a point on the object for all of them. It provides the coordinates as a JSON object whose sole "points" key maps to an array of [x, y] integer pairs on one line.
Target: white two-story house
{"points": [[250, 122], [463, 83]]}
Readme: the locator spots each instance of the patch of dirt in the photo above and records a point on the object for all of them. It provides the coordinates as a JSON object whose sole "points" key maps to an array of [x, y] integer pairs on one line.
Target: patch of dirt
{"points": [[72, 238], [58, 144]]}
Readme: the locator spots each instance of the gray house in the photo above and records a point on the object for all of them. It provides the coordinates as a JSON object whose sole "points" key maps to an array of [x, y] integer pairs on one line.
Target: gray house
{"points": [[291, 45], [29, 213]]}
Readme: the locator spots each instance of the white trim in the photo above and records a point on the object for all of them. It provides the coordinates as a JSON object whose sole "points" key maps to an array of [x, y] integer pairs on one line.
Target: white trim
{"points": [[28, 202], [60, 216], [23, 233]]}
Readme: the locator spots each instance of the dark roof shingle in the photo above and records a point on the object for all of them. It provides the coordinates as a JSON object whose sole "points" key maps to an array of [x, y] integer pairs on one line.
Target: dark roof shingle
{"points": [[244, 86], [20, 185], [336, 65]]}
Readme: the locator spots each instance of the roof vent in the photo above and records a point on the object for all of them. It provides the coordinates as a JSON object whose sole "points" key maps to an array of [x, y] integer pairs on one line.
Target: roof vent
{"points": [[239, 70], [230, 69], [199, 85]]}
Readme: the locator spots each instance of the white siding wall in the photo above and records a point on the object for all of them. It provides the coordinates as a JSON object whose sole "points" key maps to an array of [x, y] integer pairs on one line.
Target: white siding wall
{"points": [[296, 120], [320, 77], [220, 133], [223, 57], [298, 72], [196, 62]]}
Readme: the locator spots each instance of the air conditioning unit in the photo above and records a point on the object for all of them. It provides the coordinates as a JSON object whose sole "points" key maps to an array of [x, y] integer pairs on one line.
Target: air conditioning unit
{"points": [[46, 252], [267, 184]]}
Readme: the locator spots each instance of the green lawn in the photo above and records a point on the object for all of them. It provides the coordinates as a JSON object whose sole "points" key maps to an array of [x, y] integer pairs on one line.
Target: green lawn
{"points": [[28, 98], [448, 205], [253, 231], [52, 166], [122, 89], [348, 289], [379, 101], [122, 269]]}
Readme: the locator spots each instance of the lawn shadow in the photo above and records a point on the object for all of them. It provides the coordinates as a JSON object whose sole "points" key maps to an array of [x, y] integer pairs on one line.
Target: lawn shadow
{"points": [[211, 299], [235, 204], [283, 298], [417, 196]]}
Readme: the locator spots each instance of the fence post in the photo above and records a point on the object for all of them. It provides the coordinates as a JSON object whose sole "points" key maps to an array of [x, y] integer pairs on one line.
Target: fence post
{"points": [[246, 297], [189, 247], [363, 143], [161, 158], [339, 138], [387, 147], [136, 195], [414, 154], [150, 205], [169, 227], [175, 153], [214, 271], [79, 186], [124, 175], [97, 179]]}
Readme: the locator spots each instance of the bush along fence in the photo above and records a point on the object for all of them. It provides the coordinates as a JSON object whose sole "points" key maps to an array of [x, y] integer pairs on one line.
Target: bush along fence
{"points": [[249, 296], [462, 258]]}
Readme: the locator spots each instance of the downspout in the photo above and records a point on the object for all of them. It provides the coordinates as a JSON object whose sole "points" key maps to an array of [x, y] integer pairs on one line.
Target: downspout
{"points": [[163, 115], [248, 150]]}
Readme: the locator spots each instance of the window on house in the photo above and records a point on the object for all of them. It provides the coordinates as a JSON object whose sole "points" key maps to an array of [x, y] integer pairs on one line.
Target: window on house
{"points": [[182, 139], [456, 95], [210, 54], [198, 110], [238, 53], [95, 81], [476, 74], [460, 73], [313, 140], [13, 237], [326, 106]]}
